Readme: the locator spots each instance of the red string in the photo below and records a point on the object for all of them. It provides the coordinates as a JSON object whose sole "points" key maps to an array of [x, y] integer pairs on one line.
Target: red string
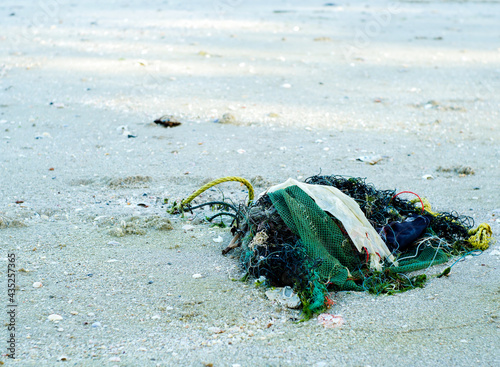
{"points": [[410, 192], [329, 302], [367, 255]]}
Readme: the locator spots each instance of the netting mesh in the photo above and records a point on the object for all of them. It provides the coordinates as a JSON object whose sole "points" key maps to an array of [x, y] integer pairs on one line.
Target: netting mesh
{"points": [[290, 240], [320, 235]]}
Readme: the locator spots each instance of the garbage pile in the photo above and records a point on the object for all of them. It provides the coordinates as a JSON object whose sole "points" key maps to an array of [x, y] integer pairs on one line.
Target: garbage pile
{"points": [[335, 233]]}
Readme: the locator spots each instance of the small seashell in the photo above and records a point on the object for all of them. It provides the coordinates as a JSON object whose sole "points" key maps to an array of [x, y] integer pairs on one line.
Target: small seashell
{"points": [[197, 276], [37, 285]]}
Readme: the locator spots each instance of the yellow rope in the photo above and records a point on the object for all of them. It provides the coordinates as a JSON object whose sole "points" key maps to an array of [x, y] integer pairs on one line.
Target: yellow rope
{"points": [[211, 184], [427, 205], [481, 237]]}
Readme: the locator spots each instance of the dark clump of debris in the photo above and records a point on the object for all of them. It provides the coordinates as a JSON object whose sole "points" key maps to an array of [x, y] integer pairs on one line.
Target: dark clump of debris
{"points": [[167, 121], [297, 257], [336, 233]]}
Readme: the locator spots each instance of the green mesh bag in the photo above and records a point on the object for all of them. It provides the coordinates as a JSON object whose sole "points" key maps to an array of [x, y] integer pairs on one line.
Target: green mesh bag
{"points": [[323, 239], [320, 235], [419, 260]]}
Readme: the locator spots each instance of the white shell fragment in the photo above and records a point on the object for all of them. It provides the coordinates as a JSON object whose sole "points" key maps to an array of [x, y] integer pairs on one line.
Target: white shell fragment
{"points": [[330, 321], [55, 317], [370, 159], [37, 285]]}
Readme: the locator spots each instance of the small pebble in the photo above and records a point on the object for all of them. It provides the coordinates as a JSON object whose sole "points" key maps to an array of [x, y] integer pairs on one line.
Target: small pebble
{"points": [[114, 359], [96, 324], [37, 285], [197, 276]]}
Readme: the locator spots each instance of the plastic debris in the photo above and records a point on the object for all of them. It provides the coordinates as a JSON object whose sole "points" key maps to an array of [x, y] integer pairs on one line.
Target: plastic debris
{"points": [[284, 296]]}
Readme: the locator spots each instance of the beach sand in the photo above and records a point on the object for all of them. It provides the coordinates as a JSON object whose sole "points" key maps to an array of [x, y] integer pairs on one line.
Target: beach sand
{"points": [[264, 90]]}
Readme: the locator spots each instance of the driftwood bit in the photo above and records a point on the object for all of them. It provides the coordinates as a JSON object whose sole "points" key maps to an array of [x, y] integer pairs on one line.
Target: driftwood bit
{"points": [[235, 242]]}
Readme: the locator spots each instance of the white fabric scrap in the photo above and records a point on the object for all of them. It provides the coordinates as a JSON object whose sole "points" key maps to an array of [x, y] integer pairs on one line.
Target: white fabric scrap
{"points": [[345, 209]]}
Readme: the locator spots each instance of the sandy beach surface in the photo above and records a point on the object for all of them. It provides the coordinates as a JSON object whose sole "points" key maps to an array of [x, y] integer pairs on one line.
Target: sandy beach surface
{"points": [[264, 90]]}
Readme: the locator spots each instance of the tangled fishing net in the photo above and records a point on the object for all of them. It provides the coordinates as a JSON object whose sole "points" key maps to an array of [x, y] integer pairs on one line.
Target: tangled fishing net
{"points": [[335, 233]]}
